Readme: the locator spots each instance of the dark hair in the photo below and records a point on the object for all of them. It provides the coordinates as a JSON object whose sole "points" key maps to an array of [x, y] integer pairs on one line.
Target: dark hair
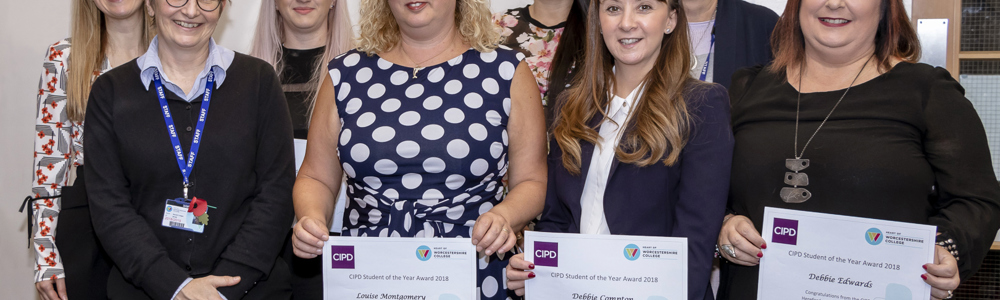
{"points": [[895, 37], [569, 52]]}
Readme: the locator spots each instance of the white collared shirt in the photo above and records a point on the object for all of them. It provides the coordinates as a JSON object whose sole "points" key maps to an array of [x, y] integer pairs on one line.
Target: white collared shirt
{"points": [[592, 219], [219, 59]]}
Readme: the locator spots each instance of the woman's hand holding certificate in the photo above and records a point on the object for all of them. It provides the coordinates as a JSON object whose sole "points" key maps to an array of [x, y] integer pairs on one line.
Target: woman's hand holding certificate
{"points": [[585, 266], [824, 256]]}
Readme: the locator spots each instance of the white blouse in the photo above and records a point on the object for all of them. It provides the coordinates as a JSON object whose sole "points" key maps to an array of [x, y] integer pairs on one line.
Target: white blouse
{"points": [[592, 220]]}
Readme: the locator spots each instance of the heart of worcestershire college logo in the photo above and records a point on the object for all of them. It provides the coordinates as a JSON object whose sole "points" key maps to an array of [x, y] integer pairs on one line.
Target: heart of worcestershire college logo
{"points": [[785, 231], [873, 236], [632, 252], [546, 254], [342, 257], [423, 253]]}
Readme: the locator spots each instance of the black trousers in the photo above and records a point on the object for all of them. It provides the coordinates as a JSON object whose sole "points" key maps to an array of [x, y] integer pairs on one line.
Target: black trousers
{"points": [[274, 287], [86, 264]]}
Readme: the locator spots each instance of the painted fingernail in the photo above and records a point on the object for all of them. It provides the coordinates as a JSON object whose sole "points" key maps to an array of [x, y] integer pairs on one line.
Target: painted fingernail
{"points": [[763, 245], [760, 254], [923, 276], [531, 266], [925, 267], [531, 275]]}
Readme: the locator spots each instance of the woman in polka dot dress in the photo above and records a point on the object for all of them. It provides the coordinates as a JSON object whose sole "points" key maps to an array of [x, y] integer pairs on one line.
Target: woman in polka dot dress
{"points": [[425, 118]]}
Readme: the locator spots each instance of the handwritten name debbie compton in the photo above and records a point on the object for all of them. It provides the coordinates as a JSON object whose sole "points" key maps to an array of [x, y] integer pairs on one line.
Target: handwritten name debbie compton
{"points": [[840, 280], [589, 296]]}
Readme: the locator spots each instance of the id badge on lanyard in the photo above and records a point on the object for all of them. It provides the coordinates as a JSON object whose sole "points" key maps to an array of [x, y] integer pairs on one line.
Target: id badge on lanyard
{"points": [[189, 214]]}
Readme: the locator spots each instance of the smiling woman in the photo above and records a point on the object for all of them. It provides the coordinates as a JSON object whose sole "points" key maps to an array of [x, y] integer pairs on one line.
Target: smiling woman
{"points": [[299, 38], [427, 116], [885, 138], [150, 191], [639, 147]]}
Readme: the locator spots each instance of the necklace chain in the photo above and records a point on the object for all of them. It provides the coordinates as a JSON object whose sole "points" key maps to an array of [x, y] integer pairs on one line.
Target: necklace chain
{"points": [[712, 28], [798, 105], [417, 66]]}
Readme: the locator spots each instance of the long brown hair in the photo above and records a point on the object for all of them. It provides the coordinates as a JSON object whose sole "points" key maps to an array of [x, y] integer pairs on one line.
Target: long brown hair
{"points": [[659, 126], [89, 40], [895, 37]]}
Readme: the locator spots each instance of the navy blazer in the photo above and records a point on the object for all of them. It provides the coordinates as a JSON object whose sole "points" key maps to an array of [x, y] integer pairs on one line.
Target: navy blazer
{"points": [[742, 38], [687, 199]]}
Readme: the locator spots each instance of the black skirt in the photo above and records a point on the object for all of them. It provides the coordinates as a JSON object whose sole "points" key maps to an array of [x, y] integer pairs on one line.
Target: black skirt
{"points": [[86, 264]]}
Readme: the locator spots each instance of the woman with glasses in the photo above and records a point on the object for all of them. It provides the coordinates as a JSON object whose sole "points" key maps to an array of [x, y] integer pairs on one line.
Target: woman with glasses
{"points": [[69, 260], [192, 166]]}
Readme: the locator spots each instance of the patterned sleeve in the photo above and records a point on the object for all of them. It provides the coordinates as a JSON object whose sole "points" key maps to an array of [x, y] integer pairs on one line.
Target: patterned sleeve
{"points": [[55, 147]]}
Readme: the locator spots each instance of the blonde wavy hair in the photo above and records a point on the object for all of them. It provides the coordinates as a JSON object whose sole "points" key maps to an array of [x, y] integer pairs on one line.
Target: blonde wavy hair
{"points": [[379, 31]]}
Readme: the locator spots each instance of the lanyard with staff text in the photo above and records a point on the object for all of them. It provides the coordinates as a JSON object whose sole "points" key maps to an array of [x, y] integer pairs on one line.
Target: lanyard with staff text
{"points": [[186, 165], [708, 59]]}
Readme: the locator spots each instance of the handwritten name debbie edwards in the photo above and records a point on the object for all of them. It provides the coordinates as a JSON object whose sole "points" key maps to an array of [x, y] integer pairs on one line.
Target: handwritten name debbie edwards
{"points": [[840, 280]]}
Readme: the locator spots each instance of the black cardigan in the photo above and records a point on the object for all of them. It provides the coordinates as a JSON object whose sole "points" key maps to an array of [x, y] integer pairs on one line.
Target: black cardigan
{"points": [[245, 169], [743, 38]]}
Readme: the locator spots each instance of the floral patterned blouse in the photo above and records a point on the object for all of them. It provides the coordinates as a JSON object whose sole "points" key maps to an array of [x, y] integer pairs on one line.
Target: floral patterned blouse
{"points": [[58, 148], [536, 41]]}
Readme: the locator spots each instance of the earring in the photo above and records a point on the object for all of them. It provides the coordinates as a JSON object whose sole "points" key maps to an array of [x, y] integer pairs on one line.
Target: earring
{"points": [[669, 30]]}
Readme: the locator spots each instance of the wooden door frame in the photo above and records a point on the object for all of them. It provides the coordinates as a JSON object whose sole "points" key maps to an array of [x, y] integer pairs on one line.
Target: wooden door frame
{"points": [[943, 9]]}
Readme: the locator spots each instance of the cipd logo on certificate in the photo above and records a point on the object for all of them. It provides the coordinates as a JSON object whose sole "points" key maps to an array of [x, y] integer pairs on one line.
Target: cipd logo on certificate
{"points": [[785, 231], [342, 257], [547, 254]]}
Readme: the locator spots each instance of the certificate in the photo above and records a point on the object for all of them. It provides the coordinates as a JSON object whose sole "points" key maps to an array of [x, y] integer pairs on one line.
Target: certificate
{"points": [[814, 256], [399, 268], [605, 267]]}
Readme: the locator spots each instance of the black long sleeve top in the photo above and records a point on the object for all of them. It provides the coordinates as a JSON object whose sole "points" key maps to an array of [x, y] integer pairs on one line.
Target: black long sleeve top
{"points": [[245, 169], [891, 144]]}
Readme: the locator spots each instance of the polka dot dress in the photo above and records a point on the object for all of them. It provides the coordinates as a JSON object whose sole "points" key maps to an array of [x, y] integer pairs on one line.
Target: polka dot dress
{"points": [[425, 157]]}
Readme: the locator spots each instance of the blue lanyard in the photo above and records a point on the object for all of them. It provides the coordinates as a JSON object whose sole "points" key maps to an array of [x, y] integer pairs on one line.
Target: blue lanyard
{"points": [[185, 165], [711, 48]]}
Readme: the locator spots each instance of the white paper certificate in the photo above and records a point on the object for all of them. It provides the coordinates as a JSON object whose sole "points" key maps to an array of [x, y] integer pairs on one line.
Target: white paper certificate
{"points": [[605, 267], [814, 256], [399, 268]]}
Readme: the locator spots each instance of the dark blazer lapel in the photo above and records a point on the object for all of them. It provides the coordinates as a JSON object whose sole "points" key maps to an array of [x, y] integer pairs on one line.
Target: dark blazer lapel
{"points": [[727, 36]]}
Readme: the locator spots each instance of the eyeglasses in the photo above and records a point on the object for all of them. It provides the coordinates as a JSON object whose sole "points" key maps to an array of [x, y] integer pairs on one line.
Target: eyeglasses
{"points": [[205, 5]]}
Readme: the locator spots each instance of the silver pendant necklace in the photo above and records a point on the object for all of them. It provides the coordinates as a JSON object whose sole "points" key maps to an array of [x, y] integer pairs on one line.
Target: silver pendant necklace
{"points": [[796, 179]]}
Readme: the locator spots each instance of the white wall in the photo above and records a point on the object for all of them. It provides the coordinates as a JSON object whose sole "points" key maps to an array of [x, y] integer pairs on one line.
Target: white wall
{"points": [[26, 29]]}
